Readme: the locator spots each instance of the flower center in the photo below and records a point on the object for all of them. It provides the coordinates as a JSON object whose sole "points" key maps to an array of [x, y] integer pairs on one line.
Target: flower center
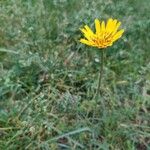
{"points": [[103, 40]]}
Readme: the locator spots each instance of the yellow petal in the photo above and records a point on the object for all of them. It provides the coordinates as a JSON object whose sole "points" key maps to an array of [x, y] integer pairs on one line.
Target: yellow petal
{"points": [[84, 41], [111, 25], [116, 28], [109, 22], [118, 35], [114, 22], [103, 26], [110, 44], [88, 29], [97, 26], [83, 30], [86, 33], [118, 25]]}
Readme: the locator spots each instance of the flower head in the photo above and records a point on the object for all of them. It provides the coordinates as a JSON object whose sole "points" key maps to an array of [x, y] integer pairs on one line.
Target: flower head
{"points": [[104, 36]]}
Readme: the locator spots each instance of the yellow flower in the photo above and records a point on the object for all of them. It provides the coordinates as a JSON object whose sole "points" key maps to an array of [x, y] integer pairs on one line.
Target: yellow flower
{"points": [[104, 36]]}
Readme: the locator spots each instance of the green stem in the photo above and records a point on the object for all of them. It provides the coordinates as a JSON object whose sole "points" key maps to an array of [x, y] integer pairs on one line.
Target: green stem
{"points": [[100, 74]]}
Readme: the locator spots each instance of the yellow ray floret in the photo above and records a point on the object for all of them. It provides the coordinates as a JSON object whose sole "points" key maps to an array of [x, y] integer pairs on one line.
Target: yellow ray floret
{"points": [[105, 34]]}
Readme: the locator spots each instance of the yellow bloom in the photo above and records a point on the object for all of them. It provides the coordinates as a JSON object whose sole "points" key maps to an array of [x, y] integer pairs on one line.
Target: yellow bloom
{"points": [[104, 36]]}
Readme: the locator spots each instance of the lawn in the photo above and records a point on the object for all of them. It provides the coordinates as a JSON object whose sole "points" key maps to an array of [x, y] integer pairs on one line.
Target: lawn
{"points": [[48, 79]]}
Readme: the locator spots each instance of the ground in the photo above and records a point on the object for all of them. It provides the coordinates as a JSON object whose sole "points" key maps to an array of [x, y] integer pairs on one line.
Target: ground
{"points": [[48, 79]]}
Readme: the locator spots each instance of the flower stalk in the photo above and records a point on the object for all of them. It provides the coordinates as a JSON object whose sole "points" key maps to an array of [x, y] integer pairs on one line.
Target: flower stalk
{"points": [[99, 91]]}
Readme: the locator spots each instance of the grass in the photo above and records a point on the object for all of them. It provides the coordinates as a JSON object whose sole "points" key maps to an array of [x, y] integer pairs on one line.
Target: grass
{"points": [[48, 79]]}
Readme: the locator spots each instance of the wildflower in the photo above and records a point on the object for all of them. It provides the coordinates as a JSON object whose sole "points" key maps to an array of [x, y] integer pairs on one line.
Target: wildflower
{"points": [[104, 36]]}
